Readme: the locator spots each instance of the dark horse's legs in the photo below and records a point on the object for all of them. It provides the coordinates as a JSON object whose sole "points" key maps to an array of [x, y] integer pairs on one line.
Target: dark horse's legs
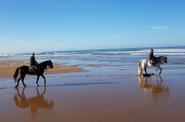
{"points": [[22, 79], [17, 82], [38, 76], [44, 79]]}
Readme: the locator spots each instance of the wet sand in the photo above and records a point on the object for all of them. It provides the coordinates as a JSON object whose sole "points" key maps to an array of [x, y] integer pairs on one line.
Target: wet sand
{"points": [[8, 68], [105, 94]]}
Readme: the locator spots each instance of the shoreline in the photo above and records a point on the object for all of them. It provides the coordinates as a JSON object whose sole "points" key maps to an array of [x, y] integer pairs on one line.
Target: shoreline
{"points": [[8, 68]]}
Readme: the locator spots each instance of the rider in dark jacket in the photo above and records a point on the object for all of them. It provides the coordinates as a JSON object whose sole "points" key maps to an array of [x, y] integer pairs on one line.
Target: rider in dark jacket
{"points": [[152, 57], [33, 62]]}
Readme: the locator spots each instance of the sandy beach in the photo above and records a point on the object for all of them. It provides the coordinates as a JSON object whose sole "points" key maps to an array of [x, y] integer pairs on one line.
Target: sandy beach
{"points": [[8, 68], [96, 89]]}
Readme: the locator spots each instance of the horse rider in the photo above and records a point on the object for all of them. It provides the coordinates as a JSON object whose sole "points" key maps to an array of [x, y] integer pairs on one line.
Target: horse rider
{"points": [[33, 63], [152, 58]]}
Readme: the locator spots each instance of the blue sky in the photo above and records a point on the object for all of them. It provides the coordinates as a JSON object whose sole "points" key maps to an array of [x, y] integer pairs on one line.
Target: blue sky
{"points": [[41, 25]]}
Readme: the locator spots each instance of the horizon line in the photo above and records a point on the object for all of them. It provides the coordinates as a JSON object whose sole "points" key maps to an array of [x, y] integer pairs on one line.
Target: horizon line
{"points": [[101, 49]]}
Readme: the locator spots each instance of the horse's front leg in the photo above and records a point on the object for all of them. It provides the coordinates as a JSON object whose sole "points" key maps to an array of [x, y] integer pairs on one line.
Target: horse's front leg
{"points": [[156, 70], [38, 76], [145, 70], [160, 79], [160, 70], [44, 79]]}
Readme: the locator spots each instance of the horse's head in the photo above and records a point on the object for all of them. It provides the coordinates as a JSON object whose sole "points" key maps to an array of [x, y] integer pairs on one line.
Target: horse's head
{"points": [[163, 59], [50, 64]]}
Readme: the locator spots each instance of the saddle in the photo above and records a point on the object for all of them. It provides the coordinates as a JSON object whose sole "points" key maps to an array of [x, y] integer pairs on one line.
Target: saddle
{"points": [[153, 61], [33, 68]]}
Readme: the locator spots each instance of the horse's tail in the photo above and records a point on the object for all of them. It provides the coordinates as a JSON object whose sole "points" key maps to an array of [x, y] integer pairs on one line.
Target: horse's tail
{"points": [[139, 68], [16, 74]]}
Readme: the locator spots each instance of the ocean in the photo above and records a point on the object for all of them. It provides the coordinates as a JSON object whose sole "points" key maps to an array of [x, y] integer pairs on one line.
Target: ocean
{"points": [[99, 54], [105, 61], [120, 51], [125, 57]]}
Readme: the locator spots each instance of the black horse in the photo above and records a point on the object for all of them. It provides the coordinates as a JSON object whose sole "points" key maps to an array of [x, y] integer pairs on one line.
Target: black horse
{"points": [[24, 70]]}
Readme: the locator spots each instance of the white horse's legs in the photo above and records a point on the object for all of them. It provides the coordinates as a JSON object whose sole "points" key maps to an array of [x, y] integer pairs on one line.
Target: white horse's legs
{"points": [[141, 71], [145, 70], [159, 79], [160, 70], [140, 68], [156, 70]]}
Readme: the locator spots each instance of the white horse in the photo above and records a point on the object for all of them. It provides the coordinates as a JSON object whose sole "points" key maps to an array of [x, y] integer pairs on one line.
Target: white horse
{"points": [[143, 64]]}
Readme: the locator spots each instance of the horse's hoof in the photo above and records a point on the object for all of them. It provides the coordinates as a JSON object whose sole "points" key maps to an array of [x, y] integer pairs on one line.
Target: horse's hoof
{"points": [[16, 86], [37, 85]]}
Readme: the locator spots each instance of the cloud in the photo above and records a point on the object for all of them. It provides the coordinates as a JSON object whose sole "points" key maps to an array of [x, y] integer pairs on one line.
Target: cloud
{"points": [[159, 27]]}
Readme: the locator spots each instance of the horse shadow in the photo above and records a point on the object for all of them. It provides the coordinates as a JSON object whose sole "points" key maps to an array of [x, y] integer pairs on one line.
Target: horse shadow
{"points": [[153, 85], [34, 103]]}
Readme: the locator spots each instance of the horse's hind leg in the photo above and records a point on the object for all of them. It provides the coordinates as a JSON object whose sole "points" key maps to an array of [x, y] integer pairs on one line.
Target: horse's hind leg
{"points": [[17, 82], [22, 79]]}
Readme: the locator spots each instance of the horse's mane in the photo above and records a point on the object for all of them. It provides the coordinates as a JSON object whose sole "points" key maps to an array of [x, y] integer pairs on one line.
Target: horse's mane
{"points": [[44, 62]]}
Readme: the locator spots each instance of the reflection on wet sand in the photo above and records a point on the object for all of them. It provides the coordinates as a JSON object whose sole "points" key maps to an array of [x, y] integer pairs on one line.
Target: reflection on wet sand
{"points": [[153, 84], [34, 103]]}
